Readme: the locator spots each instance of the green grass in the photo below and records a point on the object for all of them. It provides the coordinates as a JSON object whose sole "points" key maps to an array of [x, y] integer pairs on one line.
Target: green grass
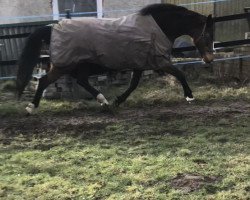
{"points": [[128, 161], [73, 151], [162, 92], [9, 85]]}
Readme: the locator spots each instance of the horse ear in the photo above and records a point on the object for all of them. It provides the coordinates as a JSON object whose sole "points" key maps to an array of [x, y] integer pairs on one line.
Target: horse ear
{"points": [[209, 21]]}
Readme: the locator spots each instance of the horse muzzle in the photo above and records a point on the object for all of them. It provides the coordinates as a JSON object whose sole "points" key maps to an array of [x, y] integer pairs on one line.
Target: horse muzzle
{"points": [[208, 57]]}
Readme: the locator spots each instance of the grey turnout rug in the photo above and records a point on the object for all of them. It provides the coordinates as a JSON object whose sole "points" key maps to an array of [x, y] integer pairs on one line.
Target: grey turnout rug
{"points": [[130, 42]]}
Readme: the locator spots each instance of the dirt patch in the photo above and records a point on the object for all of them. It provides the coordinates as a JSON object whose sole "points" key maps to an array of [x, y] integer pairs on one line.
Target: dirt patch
{"points": [[51, 125], [192, 182], [79, 122]]}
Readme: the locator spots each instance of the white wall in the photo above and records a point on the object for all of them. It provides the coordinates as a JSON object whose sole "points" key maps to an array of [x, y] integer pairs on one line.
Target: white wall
{"points": [[110, 5], [14, 8]]}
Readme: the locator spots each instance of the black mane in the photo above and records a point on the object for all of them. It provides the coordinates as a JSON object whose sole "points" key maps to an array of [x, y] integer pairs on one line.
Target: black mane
{"points": [[156, 8]]}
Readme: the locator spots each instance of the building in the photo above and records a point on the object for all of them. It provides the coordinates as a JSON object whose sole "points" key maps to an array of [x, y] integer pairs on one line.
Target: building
{"points": [[19, 11]]}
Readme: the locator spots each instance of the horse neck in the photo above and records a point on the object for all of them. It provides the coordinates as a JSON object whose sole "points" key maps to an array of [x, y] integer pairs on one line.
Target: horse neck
{"points": [[174, 25]]}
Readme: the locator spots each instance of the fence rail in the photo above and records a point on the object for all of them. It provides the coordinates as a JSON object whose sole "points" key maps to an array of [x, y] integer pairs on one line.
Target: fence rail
{"points": [[232, 17], [20, 35]]}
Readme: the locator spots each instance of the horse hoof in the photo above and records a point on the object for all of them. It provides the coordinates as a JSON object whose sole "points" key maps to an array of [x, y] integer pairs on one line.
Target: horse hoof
{"points": [[102, 100], [106, 104], [30, 108], [189, 100]]}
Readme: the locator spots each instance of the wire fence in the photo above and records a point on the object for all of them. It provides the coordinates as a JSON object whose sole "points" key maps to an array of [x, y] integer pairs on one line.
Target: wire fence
{"points": [[216, 60], [175, 64]]}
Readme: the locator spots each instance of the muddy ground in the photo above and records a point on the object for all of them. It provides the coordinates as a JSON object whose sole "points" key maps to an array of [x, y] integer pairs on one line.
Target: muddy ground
{"points": [[94, 121], [93, 124]]}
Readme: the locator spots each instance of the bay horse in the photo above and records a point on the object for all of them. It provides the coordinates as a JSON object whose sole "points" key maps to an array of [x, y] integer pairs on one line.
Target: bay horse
{"points": [[174, 21]]}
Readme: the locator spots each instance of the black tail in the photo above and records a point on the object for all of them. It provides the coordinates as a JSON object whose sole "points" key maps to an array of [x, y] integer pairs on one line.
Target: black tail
{"points": [[30, 56]]}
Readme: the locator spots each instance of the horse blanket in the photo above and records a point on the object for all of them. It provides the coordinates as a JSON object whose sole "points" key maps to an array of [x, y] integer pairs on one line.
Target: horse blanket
{"points": [[130, 42]]}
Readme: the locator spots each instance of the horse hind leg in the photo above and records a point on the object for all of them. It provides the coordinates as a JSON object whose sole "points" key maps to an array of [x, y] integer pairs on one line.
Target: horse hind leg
{"points": [[133, 85], [53, 75]]}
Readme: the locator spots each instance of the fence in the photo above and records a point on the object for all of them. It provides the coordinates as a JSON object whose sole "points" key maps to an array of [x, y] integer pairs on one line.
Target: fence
{"points": [[12, 39], [225, 31], [235, 29]]}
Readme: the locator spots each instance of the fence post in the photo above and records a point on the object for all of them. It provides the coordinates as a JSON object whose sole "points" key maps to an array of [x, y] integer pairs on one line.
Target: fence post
{"points": [[247, 10], [99, 8]]}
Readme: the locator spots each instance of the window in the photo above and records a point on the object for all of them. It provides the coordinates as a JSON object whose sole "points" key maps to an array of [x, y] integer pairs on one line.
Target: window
{"points": [[78, 6]]}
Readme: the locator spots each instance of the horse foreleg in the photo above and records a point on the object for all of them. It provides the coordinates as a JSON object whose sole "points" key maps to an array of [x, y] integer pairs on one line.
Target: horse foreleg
{"points": [[181, 77], [44, 82], [84, 82], [133, 85]]}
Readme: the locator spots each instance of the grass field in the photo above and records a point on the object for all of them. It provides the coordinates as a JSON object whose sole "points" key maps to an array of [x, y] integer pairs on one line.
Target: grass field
{"points": [[155, 146]]}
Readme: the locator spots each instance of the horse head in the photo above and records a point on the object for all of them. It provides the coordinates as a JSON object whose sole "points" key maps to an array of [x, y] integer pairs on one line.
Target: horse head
{"points": [[176, 21], [203, 39]]}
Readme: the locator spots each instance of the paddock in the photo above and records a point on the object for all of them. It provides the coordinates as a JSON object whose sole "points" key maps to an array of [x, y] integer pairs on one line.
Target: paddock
{"points": [[154, 146]]}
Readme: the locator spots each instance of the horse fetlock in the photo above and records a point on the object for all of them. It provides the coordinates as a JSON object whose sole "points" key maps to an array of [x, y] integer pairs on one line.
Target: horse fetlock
{"points": [[102, 100], [190, 99], [30, 108]]}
